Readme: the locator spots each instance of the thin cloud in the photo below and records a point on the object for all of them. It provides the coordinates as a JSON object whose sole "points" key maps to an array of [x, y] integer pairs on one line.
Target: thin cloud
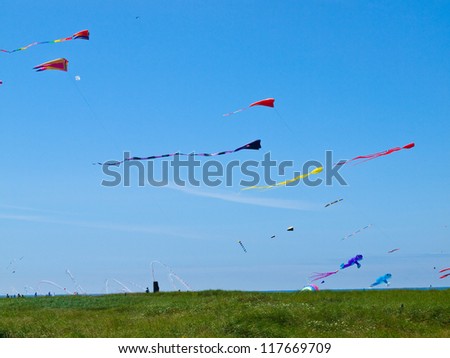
{"points": [[157, 230], [249, 200]]}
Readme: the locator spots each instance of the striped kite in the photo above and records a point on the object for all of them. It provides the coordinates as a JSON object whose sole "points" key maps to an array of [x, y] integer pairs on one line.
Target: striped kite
{"points": [[82, 35], [444, 270], [60, 64]]}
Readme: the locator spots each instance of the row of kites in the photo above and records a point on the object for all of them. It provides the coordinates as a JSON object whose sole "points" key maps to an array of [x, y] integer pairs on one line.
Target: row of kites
{"points": [[61, 64]]}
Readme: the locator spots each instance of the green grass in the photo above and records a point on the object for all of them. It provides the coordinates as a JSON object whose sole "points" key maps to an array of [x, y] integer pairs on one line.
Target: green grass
{"points": [[335, 314]]}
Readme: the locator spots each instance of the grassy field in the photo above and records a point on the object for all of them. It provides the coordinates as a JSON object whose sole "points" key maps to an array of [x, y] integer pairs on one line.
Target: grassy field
{"points": [[333, 314]]}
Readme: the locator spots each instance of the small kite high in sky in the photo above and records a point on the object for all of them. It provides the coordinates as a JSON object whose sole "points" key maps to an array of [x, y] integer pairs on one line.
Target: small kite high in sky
{"points": [[333, 202], [81, 35], [60, 64], [242, 245], [382, 279], [255, 145], [393, 250], [268, 102], [286, 182], [365, 158], [290, 228], [357, 232]]}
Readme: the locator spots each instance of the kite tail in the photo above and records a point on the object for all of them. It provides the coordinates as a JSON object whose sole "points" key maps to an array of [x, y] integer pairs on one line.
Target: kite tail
{"points": [[321, 275], [229, 114]]}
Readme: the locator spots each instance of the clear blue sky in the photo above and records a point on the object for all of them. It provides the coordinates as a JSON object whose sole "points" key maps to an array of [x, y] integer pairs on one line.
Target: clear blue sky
{"points": [[354, 77]]}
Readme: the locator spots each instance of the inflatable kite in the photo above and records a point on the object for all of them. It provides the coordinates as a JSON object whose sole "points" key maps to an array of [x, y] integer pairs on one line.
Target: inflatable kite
{"points": [[365, 158], [253, 145], [310, 287], [353, 261], [382, 279], [81, 35], [60, 64], [268, 102]]}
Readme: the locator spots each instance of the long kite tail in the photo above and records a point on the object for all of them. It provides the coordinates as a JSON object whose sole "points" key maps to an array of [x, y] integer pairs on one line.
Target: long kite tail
{"points": [[83, 35], [234, 112], [365, 158], [444, 276], [255, 145], [320, 275], [286, 182]]}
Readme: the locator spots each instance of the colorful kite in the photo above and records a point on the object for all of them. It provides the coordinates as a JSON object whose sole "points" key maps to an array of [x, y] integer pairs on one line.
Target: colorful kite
{"points": [[365, 158], [242, 245], [444, 270], [382, 279], [81, 35], [268, 102], [286, 182], [310, 287], [60, 64], [393, 250], [333, 202], [353, 261], [253, 145], [357, 232]]}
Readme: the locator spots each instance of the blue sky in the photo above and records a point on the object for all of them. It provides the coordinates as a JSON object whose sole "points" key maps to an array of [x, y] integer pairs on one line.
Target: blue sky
{"points": [[353, 77]]}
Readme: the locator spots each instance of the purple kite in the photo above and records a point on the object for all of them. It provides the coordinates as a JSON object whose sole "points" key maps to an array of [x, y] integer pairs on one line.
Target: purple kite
{"points": [[353, 261]]}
